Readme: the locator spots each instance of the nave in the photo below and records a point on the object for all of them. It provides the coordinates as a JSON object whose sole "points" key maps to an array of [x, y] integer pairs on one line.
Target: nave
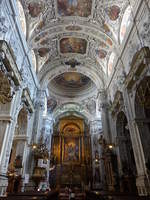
{"points": [[75, 99]]}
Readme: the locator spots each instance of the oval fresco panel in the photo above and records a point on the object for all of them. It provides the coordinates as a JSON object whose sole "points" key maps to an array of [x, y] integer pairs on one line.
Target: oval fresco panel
{"points": [[73, 45], [72, 80], [81, 8]]}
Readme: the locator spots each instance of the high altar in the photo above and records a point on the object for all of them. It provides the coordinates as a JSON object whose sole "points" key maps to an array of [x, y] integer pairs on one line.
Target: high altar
{"points": [[71, 153]]}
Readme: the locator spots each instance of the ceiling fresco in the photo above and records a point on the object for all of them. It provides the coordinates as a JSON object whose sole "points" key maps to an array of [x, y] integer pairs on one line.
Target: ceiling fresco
{"points": [[73, 45], [89, 32], [101, 53], [80, 8], [72, 80]]}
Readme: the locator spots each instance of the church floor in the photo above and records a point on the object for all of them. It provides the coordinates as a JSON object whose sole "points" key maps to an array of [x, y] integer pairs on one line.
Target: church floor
{"points": [[63, 196]]}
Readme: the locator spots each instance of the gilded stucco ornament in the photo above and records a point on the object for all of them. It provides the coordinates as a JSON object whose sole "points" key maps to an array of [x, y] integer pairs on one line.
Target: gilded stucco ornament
{"points": [[6, 94]]}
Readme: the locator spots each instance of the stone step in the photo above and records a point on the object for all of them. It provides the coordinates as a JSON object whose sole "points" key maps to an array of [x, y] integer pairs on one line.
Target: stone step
{"points": [[66, 196]]}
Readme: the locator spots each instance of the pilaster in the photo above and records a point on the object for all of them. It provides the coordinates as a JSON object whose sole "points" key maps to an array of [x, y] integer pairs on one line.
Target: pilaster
{"points": [[142, 181]]}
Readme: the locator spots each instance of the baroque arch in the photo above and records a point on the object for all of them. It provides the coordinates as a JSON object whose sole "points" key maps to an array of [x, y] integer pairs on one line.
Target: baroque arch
{"points": [[71, 108], [17, 155], [142, 113], [70, 142]]}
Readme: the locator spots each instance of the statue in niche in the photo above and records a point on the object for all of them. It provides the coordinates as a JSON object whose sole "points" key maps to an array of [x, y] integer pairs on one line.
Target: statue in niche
{"points": [[97, 178], [71, 152], [96, 155]]}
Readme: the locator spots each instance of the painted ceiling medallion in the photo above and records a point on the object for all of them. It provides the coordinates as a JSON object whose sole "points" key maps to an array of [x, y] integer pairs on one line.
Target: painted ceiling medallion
{"points": [[101, 53], [81, 8], [72, 80], [109, 42], [35, 9], [73, 45], [113, 12], [43, 51]]}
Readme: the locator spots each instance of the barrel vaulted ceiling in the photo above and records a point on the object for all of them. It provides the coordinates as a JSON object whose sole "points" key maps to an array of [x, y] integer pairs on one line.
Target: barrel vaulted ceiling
{"points": [[81, 36]]}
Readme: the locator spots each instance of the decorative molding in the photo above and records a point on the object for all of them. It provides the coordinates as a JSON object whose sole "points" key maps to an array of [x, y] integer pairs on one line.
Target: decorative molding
{"points": [[6, 93], [9, 62], [21, 137], [5, 117], [117, 104], [27, 100], [139, 63]]}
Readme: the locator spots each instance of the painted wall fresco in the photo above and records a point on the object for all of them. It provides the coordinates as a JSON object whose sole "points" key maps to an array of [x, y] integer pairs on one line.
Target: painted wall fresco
{"points": [[66, 122], [73, 45], [80, 8], [72, 80], [71, 149], [71, 129]]}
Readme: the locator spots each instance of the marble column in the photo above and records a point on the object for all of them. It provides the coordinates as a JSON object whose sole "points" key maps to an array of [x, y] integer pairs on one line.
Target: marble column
{"points": [[39, 114], [47, 131], [103, 106]]}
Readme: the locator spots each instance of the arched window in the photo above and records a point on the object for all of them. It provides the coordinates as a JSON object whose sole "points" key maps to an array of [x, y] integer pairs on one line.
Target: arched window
{"points": [[22, 17], [125, 23]]}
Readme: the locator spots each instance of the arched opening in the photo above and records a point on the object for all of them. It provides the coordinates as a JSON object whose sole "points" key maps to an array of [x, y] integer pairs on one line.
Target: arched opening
{"points": [[70, 154], [16, 165], [126, 155], [142, 112]]}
